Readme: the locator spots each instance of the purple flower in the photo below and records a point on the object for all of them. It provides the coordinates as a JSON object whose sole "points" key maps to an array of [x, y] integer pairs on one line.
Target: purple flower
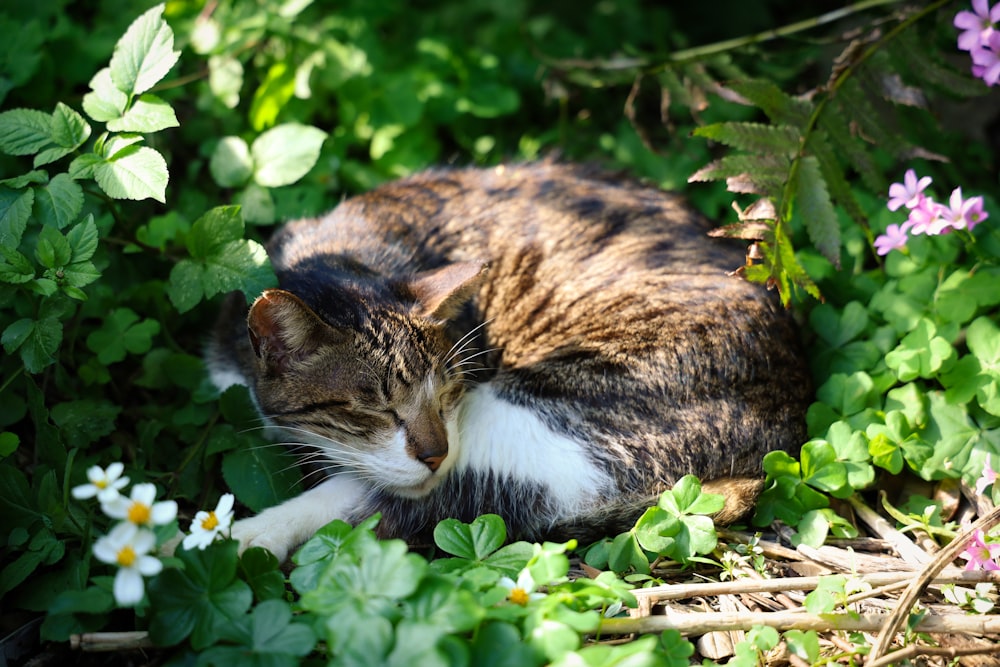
{"points": [[895, 237], [975, 213], [989, 476], [986, 60], [923, 216], [981, 556], [955, 215], [977, 25], [909, 193]]}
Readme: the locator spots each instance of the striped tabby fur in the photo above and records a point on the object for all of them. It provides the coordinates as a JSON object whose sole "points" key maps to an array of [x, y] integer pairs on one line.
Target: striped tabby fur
{"points": [[540, 341]]}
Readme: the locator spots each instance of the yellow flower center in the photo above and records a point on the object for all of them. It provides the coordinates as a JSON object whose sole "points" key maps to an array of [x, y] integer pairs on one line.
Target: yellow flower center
{"points": [[210, 521], [101, 483], [126, 556], [139, 514], [518, 596]]}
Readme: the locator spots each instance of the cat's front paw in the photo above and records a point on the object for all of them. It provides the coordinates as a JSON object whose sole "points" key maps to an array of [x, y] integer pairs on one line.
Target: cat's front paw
{"points": [[258, 531]]}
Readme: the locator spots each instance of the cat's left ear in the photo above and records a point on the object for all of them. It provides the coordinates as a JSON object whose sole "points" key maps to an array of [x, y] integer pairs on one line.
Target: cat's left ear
{"points": [[440, 293]]}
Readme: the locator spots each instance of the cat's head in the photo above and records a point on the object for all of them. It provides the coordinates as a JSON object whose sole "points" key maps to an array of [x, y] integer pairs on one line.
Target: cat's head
{"points": [[375, 397]]}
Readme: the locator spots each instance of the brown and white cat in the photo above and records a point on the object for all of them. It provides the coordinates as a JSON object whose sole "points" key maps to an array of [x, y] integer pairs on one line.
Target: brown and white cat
{"points": [[540, 341]]}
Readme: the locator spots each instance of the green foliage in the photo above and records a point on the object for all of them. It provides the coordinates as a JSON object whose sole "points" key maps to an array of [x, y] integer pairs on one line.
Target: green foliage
{"points": [[678, 527]]}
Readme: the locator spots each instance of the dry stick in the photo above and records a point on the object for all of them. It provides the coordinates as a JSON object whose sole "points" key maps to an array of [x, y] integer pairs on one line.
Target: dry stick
{"points": [[905, 603], [903, 545], [95, 642], [914, 650], [698, 623], [711, 588]]}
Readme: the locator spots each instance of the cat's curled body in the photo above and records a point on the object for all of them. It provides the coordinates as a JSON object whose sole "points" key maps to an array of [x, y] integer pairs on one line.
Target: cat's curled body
{"points": [[540, 341]]}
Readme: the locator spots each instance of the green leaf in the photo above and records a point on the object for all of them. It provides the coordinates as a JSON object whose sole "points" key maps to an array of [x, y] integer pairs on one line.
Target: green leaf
{"points": [[83, 238], [84, 166], [816, 209], [24, 131], [753, 137], [69, 131], [236, 265], [15, 209], [147, 114], [213, 229], [271, 96], [820, 467], [225, 79], [655, 530], [285, 153], [52, 249], [144, 54], [921, 353], [474, 541], [37, 341], [201, 600], [760, 174], [120, 334], [58, 203], [498, 644], [136, 172], [779, 107], [439, 602], [85, 421], [16, 268], [260, 569], [839, 328], [231, 165], [260, 476], [33, 177], [105, 102]]}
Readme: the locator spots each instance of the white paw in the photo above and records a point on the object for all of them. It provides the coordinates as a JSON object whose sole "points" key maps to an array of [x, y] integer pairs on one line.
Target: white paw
{"points": [[258, 531]]}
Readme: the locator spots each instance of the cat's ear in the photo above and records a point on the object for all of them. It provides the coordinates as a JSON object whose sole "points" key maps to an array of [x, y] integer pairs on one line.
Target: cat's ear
{"points": [[283, 329], [440, 293]]}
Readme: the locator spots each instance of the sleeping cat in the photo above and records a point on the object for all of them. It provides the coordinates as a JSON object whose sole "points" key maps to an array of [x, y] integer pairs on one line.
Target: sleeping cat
{"points": [[540, 341]]}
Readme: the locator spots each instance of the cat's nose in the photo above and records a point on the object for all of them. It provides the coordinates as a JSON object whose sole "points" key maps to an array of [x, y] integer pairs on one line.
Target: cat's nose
{"points": [[432, 462]]}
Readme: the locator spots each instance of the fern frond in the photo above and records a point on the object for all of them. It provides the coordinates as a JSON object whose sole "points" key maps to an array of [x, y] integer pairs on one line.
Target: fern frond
{"points": [[833, 173], [909, 56], [780, 268], [754, 137], [760, 174], [855, 152], [779, 107], [816, 209], [856, 101]]}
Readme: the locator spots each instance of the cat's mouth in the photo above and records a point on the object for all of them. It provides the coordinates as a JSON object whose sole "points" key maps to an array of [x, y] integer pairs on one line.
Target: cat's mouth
{"points": [[414, 491]]}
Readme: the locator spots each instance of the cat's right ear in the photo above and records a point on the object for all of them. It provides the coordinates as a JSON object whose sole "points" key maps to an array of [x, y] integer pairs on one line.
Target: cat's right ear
{"points": [[283, 329]]}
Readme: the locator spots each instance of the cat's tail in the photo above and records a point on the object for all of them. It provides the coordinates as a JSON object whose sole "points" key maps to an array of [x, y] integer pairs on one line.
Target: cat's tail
{"points": [[619, 515]]}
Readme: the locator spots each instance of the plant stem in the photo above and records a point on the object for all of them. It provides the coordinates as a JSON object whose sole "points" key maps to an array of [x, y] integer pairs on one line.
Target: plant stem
{"points": [[698, 52]]}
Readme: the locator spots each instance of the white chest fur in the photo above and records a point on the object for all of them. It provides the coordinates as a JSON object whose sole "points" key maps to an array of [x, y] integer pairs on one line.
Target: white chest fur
{"points": [[493, 435]]}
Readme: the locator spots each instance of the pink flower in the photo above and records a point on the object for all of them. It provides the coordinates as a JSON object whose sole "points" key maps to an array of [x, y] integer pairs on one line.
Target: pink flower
{"points": [[989, 476], [986, 60], [955, 215], [975, 213], [909, 192], [923, 216], [977, 25], [894, 237], [980, 554]]}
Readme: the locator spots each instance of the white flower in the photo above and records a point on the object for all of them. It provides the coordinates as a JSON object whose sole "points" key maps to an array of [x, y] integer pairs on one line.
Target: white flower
{"points": [[521, 591], [104, 484], [128, 547], [139, 508], [207, 525]]}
